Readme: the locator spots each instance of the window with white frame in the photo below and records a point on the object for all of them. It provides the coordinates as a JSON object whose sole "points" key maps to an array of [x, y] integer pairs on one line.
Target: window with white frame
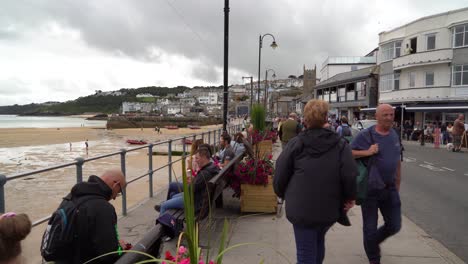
{"points": [[459, 35], [386, 82], [361, 90], [431, 42], [429, 78], [396, 81], [460, 75], [333, 96], [341, 93], [412, 79], [391, 50]]}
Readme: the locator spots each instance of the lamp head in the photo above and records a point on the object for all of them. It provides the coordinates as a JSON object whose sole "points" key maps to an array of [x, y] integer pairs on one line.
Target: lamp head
{"points": [[274, 75], [274, 45]]}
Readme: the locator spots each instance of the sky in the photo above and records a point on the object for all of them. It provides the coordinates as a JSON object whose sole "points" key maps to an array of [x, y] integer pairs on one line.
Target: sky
{"points": [[58, 50]]}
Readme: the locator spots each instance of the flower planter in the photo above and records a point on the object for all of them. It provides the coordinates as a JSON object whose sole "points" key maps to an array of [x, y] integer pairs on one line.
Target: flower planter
{"points": [[265, 148], [258, 198]]}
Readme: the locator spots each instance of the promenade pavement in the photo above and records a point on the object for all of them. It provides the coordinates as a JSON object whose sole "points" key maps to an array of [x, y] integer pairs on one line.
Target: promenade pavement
{"points": [[274, 238]]}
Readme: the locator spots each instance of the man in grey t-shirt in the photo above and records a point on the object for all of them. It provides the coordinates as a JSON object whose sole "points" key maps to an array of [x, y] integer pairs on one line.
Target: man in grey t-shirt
{"points": [[227, 151], [381, 143]]}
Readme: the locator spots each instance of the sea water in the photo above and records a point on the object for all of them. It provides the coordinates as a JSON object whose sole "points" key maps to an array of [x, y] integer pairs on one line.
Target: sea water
{"points": [[14, 121]]}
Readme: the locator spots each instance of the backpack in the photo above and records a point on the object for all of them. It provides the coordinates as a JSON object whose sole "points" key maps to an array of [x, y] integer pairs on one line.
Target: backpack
{"points": [[346, 133], [57, 241]]}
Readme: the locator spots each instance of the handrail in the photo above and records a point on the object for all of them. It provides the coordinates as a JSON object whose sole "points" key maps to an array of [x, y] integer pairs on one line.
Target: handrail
{"points": [[79, 162]]}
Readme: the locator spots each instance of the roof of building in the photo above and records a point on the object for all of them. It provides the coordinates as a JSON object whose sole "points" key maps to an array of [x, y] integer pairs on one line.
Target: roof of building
{"points": [[348, 76], [426, 17]]}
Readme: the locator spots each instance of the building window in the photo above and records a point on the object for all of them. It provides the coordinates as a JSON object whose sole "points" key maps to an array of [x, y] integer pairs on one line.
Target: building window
{"points": [[429, 78], [412, 79], [361, 90], [350, 92], [391, 50], [459, 36], [386, 83], [431, 42], [460, 75], [341, 94], [333, 97], [396, 81]]}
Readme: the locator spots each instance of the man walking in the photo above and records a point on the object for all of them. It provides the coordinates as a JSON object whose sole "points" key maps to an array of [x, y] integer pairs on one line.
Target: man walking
{"points": [[381, 145], [457, 132], [94, 222], [289, 129]]}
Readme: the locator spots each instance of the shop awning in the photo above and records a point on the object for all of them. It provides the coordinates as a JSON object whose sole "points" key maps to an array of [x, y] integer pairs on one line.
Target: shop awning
{"points": [[372, 109], [445, 108]]}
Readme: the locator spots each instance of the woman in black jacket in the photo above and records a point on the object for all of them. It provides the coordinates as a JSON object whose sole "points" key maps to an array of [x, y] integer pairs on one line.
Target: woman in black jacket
{"points": [[316, 176]]}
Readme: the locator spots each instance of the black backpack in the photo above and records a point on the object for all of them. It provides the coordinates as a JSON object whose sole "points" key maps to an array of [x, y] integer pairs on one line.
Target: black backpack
{"points": [[57, 241], [346, 133]]}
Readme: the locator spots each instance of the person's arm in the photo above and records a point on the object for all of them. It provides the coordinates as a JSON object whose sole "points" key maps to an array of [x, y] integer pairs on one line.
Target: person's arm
{"points": [[105, 238], [285, 167], [348, 172], [361, 146], [398, 176]]}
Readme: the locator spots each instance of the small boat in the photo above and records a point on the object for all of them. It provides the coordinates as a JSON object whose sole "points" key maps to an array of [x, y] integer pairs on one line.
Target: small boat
{"points": [[136, 142], [193, 127], [187, 141], [171, 127]]}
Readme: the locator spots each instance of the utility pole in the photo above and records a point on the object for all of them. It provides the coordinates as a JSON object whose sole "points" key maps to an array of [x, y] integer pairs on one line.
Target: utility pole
{"points": [[226, 64]]}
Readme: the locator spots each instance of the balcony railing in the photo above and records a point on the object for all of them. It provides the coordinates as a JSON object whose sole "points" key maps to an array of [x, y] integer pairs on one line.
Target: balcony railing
{"points": [[423, 58]]}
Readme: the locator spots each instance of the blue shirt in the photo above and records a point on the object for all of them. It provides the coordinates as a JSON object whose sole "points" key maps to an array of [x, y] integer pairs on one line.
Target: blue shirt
{"points": [[384, 168]]}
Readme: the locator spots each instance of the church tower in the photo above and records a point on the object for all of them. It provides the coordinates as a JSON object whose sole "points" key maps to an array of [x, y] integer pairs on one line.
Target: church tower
{"points": [[310, 80]]}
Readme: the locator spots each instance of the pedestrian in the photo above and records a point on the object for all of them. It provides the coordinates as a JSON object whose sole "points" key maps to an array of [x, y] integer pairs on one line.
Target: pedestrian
{"points": [[70, 146], [381, 143], [13, 228], [408, 128], [457, 132], [289, 129], [344, 130], [226, 153], [86, 146], [95, 227], [316, 175]]}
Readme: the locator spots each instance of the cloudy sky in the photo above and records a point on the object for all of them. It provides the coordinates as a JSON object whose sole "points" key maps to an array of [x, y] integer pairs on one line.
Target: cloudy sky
{"points": [[63, 49]]}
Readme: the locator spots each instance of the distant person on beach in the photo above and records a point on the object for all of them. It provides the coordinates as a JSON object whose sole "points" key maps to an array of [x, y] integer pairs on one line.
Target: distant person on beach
{"points": [[13, 228], [70, 146], [87, 146], [95, 228]]}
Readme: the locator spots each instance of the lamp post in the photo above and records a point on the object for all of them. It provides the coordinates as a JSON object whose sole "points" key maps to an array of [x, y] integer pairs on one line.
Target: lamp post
{"points": [[266, 86], [273, 45], [251, 90], [226, 63]]}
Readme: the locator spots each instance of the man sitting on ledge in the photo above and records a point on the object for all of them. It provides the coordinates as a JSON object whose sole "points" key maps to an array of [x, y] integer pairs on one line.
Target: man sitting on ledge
{"points": [[207, 171]]}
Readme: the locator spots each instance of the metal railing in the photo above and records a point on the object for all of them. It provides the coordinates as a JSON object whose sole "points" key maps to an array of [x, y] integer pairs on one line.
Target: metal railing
{"points": [[211, 137]]}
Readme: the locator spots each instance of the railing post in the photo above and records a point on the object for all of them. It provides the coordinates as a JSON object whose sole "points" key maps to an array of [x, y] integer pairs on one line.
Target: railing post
{"points": [[3, 180], [209, 137], [124, 194], [203, 137], [150, 169], [184, 146], [169, 156], [79, 169]]}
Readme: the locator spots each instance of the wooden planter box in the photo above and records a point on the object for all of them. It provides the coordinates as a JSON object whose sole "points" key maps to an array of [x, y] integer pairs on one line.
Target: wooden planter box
{"points": [[265, 148], [258, 198]]}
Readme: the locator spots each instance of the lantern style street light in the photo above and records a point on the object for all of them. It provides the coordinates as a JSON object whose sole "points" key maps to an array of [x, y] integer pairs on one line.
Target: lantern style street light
{"points": [[273, 45]]}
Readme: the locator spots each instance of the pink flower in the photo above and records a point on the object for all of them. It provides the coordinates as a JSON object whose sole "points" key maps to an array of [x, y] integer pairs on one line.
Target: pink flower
{"points": [[182, 250], [185, 261]]}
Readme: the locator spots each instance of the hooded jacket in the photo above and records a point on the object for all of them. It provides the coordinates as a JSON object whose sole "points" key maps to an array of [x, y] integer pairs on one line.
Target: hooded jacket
{"points": [[315, 174], [96, 224]]}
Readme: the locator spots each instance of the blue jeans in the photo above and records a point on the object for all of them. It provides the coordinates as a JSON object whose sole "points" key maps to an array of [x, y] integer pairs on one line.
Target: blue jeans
{"points": [[176, 202], [310, 244], [388, 201], [174, 188]]}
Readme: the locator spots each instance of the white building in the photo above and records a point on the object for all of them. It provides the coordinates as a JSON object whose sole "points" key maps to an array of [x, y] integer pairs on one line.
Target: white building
{"points": [[136, 107], [424, 66], [210, 98], [336, 65]]}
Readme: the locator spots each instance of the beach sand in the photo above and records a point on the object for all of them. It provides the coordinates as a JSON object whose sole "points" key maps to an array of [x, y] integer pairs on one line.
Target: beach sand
{"points": [[39, 195]]}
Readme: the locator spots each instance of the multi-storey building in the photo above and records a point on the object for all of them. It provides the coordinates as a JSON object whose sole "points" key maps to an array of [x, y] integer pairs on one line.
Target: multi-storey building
{"points": [[424, 67], [336, 65]]}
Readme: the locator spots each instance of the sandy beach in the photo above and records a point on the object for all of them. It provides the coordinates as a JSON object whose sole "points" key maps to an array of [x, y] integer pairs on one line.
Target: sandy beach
{"points": [[28, 149]]}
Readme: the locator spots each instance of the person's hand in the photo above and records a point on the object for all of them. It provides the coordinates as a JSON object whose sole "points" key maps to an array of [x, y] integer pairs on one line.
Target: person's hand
{"points": [[373, 149], [349, 204]]}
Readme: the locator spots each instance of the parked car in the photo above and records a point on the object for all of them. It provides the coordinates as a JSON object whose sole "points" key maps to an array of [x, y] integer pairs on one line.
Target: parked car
{"points": [[362, 124]]}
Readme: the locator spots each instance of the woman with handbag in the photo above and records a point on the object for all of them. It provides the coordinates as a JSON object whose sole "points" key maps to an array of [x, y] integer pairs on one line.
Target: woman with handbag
{"points": [[316, 176]]}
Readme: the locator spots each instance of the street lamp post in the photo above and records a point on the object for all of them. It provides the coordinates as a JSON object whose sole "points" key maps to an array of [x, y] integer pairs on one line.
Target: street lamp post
{"points": [[266, 86], [273, 45], [226, 63], [251, 90]]}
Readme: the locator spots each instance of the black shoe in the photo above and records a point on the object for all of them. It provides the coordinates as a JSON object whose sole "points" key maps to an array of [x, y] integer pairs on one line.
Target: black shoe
{"points": [[157, 207]]}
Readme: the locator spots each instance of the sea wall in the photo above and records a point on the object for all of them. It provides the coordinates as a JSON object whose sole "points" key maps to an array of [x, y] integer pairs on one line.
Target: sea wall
{"points": [[156, 121]]}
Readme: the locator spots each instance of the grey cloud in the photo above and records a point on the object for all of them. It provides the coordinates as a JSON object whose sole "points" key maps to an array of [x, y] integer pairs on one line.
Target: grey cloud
{"points": [[305, 35], [13, 86]]}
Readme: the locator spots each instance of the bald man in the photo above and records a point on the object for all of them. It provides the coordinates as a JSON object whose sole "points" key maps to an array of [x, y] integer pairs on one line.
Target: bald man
{"points": [[95, 225], [380, 144]]}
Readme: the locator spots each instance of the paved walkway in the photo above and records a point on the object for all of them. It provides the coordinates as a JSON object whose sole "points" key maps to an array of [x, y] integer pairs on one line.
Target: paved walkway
{"points": [[343, 244]]}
